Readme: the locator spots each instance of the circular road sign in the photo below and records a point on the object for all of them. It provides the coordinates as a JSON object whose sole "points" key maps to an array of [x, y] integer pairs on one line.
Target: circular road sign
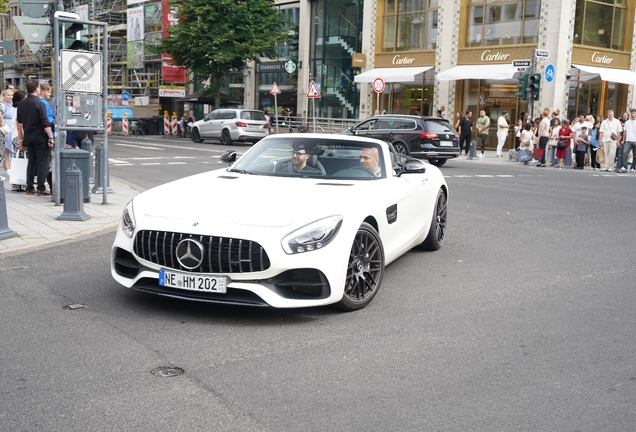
{"points": [[378, 85], [125, 96], [266, 103], [549, 73]]}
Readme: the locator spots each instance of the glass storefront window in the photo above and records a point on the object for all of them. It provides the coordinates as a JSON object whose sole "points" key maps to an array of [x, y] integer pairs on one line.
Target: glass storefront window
{"points": [[409, 25], [601, 23], [502, 23]]}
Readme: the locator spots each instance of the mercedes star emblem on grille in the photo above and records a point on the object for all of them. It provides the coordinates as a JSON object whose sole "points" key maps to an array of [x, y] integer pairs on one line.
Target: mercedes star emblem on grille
{"points": [[190, 253]]}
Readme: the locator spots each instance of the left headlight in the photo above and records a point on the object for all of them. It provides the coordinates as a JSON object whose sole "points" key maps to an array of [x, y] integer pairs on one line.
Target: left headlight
{"points": [[313, 236], [128, 220]]}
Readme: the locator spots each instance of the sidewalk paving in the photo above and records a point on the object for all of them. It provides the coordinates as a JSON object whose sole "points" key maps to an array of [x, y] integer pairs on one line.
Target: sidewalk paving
{"points": [[33, 217]]}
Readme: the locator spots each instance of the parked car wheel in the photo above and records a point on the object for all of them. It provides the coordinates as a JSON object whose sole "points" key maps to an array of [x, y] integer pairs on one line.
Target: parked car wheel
{"points": [[436, 233], [194, 135], [226, 139], [437, 162], [365, 269], [401, 148]]}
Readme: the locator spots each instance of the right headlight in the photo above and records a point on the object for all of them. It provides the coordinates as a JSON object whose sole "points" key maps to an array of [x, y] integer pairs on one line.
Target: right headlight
{"points": [[313, 236], [128, 220]]}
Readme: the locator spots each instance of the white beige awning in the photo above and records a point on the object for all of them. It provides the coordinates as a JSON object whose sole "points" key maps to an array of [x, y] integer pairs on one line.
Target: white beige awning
{"points": [[482, 71], [622, 76], [400, 74]]}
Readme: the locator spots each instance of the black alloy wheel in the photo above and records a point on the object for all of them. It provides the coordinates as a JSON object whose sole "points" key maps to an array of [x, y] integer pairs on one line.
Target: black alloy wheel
{"points": [[400, 148], [365, 269], [437, 232], [226, 139], [195, 137]]}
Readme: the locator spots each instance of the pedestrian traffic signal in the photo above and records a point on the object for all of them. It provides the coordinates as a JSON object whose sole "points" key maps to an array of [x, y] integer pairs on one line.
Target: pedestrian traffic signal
{"points": [[535, 84], [522, 86], [71, 39]]}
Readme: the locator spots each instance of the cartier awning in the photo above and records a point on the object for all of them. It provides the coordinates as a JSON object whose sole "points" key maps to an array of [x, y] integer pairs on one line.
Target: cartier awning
{"points": [[483, 71], [622, 76], [403, 74]]}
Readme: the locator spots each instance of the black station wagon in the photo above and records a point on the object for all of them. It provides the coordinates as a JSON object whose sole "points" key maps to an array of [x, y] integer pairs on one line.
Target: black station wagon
{"points": [[431, 138]]}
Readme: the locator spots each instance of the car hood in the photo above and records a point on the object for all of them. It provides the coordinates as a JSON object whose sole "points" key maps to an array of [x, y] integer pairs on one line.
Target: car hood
{"points": [[240, 199]]}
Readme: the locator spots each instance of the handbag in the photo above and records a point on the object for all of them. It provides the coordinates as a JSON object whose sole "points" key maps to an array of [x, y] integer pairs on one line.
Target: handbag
{"points": [[5, 129], [562, 144], [524, 155], [537, 153], [600, 156], [18, 172]]}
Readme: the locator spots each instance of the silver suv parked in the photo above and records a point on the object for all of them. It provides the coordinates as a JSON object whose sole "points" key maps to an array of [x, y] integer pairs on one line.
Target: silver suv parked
{"points": [[231, 124]]}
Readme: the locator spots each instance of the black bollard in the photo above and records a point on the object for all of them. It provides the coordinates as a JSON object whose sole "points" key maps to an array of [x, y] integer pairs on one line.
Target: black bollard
{"points": [[5, 232], [472, 154], [73, 196], [97, 185], [87, 145]]}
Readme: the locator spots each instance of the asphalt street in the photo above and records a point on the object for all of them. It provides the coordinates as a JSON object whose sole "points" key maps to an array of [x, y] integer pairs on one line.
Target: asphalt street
{"points": [[525, 320]]}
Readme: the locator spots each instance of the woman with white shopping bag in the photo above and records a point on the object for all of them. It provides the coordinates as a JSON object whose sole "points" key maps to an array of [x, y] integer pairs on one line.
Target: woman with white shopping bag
{"points": [[6, 124]]}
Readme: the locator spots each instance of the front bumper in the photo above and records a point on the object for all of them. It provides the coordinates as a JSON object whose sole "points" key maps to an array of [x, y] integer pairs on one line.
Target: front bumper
{"points": [[291, 281]]}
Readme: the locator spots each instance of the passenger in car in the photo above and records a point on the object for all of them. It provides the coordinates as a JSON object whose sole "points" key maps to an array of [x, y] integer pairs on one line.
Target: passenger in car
{"points": [[369, 158], [298, 163]]}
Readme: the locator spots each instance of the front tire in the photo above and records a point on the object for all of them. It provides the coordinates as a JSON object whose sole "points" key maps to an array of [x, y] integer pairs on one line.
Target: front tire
{"points": [[437, 162], [437, 232], [226, 139], [195, 136], [365, 269]]}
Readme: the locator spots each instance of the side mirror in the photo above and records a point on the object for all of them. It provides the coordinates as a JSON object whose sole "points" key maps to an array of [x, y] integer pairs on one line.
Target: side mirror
{"points": [[413, 166], [229, 157]]}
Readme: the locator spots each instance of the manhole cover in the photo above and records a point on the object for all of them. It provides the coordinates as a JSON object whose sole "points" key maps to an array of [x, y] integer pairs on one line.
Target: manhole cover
{"points": [[167, 371]]}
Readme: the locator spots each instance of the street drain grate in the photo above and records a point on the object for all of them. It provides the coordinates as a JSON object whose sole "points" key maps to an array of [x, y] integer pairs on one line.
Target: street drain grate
{"points": [[167, 371], [74, 306]]}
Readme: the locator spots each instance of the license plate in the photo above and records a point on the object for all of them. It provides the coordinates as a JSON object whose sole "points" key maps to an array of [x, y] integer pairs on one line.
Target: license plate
{"points": [[254, 126], [446, 143], [193, 282]]}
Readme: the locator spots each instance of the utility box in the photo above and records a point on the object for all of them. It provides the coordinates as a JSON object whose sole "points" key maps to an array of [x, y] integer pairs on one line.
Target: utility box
{"points": [[81, 158], [81, 110]]}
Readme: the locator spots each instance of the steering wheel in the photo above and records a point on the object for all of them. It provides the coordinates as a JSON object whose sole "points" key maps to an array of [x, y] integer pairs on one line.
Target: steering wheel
{"points": [[364, 170]]}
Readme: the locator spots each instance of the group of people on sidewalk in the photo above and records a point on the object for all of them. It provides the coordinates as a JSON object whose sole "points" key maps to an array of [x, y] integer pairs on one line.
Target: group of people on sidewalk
{"points": [[603, 144]]}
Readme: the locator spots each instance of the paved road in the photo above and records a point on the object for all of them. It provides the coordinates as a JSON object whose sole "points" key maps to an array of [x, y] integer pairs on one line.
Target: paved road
{"points": [[524, 320]]}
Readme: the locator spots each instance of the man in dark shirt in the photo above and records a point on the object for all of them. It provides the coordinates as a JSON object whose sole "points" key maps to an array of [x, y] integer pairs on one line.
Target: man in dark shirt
{"points": [[465, 131], [34, 133]]}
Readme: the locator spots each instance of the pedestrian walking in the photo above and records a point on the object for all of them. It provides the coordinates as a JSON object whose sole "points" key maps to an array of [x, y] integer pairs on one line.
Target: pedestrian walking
{"points": [[544, 135], [608, 139], [630, 140], [502, 132], [594, 165], [34, 134], [6, 114], [565, 134], [483, 123], [518, 130], [582, 142], [465, 131]]}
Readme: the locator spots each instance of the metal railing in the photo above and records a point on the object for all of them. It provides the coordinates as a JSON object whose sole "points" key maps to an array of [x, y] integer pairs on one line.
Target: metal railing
{"points": [[294, 124]]}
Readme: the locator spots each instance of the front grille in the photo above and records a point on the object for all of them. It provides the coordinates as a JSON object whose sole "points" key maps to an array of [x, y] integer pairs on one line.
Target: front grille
{"points": [[221, 255]]}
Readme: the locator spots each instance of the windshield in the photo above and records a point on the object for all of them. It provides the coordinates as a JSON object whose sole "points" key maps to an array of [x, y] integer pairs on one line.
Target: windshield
{"points": [[328, 157]]}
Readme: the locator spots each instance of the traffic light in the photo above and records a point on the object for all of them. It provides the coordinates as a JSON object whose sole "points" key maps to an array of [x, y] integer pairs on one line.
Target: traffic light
{"points": [[71, 39], [522, 86], [535, 84]]}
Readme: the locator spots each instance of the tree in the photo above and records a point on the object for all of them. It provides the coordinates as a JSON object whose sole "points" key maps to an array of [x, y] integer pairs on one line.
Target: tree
{"points": [[213, 37]]}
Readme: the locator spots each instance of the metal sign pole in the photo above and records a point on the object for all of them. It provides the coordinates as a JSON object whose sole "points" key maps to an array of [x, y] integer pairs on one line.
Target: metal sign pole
{"points": [[64, 17], [313, 109], [276, 110], [533, 63]]}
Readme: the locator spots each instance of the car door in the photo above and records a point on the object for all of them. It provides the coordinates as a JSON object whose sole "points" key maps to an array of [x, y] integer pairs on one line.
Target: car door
{"points": [[409, 206], [222, 117], [205, 127], [364, 129]]}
